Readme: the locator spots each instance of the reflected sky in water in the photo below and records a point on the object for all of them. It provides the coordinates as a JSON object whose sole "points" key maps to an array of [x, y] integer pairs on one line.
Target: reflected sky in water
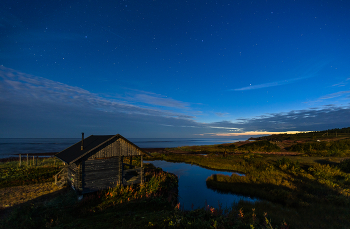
{"points": [[193, 188]]}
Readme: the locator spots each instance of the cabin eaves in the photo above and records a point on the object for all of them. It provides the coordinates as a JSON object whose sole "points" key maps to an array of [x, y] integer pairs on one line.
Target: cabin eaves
{"points": [[74, 152]]}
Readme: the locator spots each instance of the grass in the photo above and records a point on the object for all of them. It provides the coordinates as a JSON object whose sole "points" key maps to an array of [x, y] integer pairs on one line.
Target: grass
{"points": [[295, 192], [11, 174], [305, 192], [329, 143], [152, 205], [65, 211]]}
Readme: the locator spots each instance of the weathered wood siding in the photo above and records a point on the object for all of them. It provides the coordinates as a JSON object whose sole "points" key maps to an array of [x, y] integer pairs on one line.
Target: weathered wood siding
{"points": [[130, 177], [100, 174], [116, 147], [72, 175]]}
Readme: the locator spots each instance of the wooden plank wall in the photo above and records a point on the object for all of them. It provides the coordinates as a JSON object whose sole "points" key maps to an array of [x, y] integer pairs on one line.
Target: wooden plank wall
{"points": [[118, 147], [127, 149], [100, 174], [79, 177], [71, 173]]}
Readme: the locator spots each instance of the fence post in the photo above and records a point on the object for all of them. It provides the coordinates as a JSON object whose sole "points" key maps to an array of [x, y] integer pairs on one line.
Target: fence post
{"points": [[20, 160], [142, 171], [27, 160], [142, 175], [33, 161]]}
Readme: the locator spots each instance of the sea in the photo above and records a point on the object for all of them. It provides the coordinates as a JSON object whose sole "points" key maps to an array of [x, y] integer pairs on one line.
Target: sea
{"points": [[14, 146]]}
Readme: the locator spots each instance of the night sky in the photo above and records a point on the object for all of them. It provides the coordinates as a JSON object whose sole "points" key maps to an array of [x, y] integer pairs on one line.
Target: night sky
{"points": [[173, 68]]}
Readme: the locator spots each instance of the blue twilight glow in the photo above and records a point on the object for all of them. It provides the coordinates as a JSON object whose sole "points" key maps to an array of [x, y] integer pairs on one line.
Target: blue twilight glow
{"points": [[180, 68]]}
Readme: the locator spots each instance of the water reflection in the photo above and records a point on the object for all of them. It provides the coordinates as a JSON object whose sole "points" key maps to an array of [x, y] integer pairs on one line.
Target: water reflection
{"points": [[193, 188]]}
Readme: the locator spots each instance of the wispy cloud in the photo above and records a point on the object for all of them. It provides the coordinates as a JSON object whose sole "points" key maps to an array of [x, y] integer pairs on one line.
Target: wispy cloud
{"points": [[323, 118], [305, 74], [159, 100], [341, 84], [221, 114], [39, 107], [18, 85], [151, 99], [334, 95], [272, 84], [252, 133]]}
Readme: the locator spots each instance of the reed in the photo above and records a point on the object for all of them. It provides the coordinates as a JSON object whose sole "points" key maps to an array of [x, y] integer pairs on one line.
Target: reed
{"points": [[294, 189]]}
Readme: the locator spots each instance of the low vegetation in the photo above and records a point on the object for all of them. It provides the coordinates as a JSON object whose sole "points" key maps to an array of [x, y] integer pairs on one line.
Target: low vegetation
{"points": [[308, 190], [260, 146], [152, 205], [11, 174], [330, 143], [296, 188], [339, 148]]}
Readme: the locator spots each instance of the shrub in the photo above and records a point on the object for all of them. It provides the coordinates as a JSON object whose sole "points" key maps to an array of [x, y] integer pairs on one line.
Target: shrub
{"points": [[265, 146], [345, 165]]}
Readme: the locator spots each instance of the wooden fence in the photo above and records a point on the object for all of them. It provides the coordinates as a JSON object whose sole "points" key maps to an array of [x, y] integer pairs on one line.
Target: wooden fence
{"points": [[26, 159]]}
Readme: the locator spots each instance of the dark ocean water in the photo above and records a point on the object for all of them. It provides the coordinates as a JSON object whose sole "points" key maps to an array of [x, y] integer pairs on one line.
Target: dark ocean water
{"points": [[10, 146]]}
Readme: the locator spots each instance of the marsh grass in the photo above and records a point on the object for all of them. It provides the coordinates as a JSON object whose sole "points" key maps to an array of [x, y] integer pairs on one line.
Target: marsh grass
{"points": [[299, 190], [160, 192], [295, 192], [11, 174], [152, 205]]}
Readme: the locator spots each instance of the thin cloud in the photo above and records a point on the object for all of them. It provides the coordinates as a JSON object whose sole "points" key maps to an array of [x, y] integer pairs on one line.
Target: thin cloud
{"points": [[38, 107], [272, 84], [32, 106], [252, 133], [334, 95], [26, 88], [152, 99], [221, 114], [310, 72], [326, 117], [159, 100], [341, 84]]}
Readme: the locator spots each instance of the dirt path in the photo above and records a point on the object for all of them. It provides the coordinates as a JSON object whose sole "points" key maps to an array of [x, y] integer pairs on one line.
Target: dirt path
{"points": [[19, 194]]}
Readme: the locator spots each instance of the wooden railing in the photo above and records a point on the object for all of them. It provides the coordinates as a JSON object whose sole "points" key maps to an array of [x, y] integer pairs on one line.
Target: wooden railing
{"points": [[135, 178], [62, 170], [130, 166]]}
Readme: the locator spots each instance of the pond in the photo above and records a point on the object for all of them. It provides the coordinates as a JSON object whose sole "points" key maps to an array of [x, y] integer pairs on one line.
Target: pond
{"points": [[193, 188]]}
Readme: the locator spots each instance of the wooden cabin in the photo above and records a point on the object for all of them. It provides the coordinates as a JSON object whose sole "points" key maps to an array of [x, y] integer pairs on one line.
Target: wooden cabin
{"points": [[97, 163]]}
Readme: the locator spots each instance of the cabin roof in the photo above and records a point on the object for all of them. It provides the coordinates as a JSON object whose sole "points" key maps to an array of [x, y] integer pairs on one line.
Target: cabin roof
{"points": [[74, 152]]}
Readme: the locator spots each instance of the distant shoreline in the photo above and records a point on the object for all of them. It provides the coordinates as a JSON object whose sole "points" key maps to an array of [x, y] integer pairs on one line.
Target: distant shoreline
{"points": [[15, 156]]}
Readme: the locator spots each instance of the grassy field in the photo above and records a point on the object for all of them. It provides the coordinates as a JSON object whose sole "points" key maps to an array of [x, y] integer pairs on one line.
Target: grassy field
{"points": [[304, 192], [308, 190], [40, 204]]}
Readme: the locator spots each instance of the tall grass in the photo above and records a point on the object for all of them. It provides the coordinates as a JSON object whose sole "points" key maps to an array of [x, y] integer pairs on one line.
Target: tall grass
{"points": [[295, 190], [24, 175], [152, 205]]}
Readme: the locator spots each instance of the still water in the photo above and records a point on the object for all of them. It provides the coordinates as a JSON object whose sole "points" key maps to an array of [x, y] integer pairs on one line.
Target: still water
{"points": [[193, 188]]}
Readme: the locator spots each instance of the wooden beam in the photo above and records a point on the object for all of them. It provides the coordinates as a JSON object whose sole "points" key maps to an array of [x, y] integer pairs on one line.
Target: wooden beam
{"points": [[142, 170], [121, 170]]}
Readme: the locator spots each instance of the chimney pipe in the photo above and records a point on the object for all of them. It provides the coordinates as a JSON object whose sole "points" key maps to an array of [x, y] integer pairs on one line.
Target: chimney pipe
{"points": [[82, 141]]}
